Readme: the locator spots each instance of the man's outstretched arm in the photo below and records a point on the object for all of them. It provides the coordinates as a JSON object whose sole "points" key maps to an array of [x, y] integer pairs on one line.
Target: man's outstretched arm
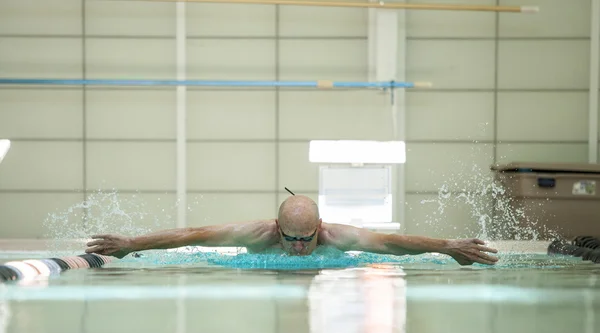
{"points": [[464, 251], [242, 235]]}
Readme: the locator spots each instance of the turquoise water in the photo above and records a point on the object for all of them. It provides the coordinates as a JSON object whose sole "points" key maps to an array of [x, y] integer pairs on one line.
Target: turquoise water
{"points": [[329, 291], [324, 257]]}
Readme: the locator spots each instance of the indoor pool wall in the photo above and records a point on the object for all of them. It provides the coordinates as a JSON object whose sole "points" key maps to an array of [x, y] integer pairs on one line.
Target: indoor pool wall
{"points": [[505, 88]]}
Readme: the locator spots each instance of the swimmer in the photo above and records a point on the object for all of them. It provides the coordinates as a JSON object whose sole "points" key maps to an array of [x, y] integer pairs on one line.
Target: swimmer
{"points": [[298, 230]]}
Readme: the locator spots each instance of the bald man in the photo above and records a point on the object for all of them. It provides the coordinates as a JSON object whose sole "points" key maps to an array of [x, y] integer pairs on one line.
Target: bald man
{"points": [[298, 230]]}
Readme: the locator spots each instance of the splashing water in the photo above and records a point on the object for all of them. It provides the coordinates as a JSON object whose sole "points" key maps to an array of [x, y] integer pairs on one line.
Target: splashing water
{"points": [[475, 190], [330, 258], [103, 213], [498, 215], [322, 257]]}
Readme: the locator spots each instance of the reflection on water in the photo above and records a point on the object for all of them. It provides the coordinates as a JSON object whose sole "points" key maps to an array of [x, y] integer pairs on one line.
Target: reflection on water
{"points": [[374, 298], [4, 313], [183, 292]]}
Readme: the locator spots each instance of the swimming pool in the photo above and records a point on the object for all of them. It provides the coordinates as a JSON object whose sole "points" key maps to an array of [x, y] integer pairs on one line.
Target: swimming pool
{"points": [[171, 291]]}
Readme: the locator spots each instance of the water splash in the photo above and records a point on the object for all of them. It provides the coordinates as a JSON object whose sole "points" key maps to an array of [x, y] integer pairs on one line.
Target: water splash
{"points": [[476, 189], [104, 212], [331, 258], [322, 257]]}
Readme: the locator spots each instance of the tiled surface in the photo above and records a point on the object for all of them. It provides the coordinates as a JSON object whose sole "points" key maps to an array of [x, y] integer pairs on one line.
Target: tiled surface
{"points": [[130, 114], [296, 172], [449, 116], [28, 216], [449, 166], [223, 208], [227, 115], [540, 116], [543, 64], [219, 59], [41, 57], [454, 24], [122, 212], [337, 60], [131, 166], [430, 214], [331, 115], [307, 21], [229, 20], [231, 166], [130, 58], [39, 165], [451, 64], [42, 113], [30, 17], [129, 18], [543, 152], [543, 24]]}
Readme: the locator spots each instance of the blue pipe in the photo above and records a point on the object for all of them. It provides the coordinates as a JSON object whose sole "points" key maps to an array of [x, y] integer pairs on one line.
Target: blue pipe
{"points": [[310, 84]]}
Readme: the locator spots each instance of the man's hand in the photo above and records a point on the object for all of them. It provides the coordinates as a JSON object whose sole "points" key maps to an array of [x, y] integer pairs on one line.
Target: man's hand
{"points": [[469, 251], [110, 245]]}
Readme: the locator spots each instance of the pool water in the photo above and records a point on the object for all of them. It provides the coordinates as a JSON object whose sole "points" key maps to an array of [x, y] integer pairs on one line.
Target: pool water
{"points": [[328, 292]]}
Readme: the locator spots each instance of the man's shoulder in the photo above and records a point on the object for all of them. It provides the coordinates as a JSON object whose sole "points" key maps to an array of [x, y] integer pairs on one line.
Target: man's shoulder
{"points": [[269, 223], [336, 227], [338, 235], [265, 229]]}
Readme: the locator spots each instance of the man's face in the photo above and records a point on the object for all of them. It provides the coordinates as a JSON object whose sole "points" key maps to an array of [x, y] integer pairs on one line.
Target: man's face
{"points": [[299, 243]]}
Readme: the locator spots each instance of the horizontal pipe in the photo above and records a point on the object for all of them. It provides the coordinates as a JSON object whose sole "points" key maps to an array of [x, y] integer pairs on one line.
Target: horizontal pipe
{"points": [[380, 4], [321, 84]]}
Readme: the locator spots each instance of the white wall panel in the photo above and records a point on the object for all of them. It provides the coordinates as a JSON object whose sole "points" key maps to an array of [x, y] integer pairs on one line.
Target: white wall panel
{"points": [[543, 152], [359, 115], [131, 166], [542, 116], [556, 18], [32, 17], [296, 172], [237, 114], [306, 21], [130, 114], [222, 208], [231, 166], [230, 59], [41, 113], [24, 215], [450, 116], [337, 60], [453, 24], [129, 18], [543, 64], [455, 216], [230, 20], [451, 64], [449, 166], [42, 165], [130, 59], [48, 58]]}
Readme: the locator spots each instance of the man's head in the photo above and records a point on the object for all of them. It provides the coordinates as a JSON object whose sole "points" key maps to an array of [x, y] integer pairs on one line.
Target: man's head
{"points": [[298, 220]]}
